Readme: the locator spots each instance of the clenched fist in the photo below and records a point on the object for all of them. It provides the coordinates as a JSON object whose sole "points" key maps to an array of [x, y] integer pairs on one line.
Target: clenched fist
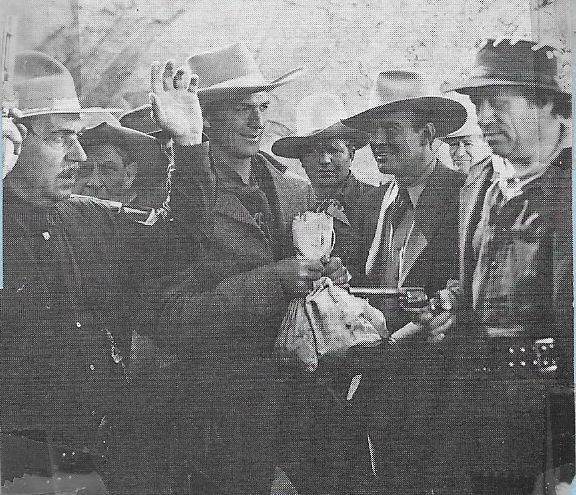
{"points": [[297, 274]]}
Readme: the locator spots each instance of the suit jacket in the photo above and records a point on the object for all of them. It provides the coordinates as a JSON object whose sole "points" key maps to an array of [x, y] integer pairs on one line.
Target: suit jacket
{"points": [[431, 254]]}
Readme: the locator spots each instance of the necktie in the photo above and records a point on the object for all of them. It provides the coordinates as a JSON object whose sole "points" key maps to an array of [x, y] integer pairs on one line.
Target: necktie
{"points": [[399, 207]]}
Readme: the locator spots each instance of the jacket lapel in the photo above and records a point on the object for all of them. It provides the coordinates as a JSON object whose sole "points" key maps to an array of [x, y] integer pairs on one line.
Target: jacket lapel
{"points": [[471, 195]]}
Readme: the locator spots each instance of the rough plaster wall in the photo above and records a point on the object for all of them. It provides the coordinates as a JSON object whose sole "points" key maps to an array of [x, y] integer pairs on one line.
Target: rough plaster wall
{"points": [[109, 44]]}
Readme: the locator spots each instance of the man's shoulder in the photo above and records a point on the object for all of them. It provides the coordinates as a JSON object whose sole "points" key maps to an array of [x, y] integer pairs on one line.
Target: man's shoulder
{"points": [[446, 178]]}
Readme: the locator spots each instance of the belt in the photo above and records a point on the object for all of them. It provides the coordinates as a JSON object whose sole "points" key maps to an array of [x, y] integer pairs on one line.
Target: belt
{"points": [[517, 357]]}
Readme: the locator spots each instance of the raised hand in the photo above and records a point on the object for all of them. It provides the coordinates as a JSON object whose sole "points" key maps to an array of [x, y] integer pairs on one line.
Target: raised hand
{"points": [[12, 134], [175, 105]]}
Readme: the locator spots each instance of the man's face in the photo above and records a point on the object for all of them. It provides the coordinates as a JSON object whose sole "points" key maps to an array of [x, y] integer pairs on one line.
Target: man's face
{"points": [[398, 148], [467, 151], [327, 163], [237, 126], [104, 175], [48, 164], [511, 124]]}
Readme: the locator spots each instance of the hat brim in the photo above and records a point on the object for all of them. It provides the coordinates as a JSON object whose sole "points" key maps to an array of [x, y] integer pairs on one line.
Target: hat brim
{"points": [[141, 148], [49, 111], [447, 115], [295, 146], [232, 89], [468, 86]]}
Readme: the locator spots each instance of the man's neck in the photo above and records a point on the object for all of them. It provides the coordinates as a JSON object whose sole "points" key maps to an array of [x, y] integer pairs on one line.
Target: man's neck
{"points": [[429, 159], [242, 166], [330, 191]]}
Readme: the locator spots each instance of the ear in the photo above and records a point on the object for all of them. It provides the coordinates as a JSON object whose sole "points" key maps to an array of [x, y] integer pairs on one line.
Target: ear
{"points": [[131, 171], [428, 133], [351, 152]]}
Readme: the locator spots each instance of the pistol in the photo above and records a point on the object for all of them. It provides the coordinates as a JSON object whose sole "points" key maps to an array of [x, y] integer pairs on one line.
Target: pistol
{"points": [[409, 298]]}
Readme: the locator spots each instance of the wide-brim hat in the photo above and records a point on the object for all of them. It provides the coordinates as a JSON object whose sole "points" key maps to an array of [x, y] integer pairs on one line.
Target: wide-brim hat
{"points": [[140, 119], [512, 63], [229, 72], [318, 118], [141, 148], [470, 127], [44, 86], [397, 90]]}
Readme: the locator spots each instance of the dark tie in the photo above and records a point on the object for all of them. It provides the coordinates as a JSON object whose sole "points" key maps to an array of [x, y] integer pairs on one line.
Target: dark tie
{"points": [[399, 207]]}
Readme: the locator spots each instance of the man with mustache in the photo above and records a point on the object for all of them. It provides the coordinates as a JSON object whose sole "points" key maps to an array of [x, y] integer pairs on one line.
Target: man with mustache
{"points": [[236, 273], [64, 331], [515, 349], [408, 237]]}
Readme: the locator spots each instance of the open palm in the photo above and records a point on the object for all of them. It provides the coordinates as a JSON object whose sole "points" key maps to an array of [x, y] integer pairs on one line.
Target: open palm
{"points": [[175, 105]]}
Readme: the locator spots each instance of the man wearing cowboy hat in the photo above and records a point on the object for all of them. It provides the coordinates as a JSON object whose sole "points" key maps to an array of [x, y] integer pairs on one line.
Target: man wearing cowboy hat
{"points": [[467, 145], [237, 271], [64, 328], [326, 148], [122, 165], [515, 342], [408, 237]]}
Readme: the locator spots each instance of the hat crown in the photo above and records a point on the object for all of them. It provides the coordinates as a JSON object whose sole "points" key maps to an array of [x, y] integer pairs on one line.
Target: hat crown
{"points": [[397, 85], [522, 61], [318, 111], [230, 63], [43, 85]]}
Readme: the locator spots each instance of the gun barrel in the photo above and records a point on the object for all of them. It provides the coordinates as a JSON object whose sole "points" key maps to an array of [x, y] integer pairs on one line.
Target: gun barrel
{"points": [[383, 291]]}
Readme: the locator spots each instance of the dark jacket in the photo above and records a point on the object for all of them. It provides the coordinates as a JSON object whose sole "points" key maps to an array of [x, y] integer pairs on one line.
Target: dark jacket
{"points": [[63, 289]]}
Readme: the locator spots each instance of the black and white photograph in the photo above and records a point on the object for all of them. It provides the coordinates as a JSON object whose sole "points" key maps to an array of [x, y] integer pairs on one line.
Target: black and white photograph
{"points": [[287, 247]]}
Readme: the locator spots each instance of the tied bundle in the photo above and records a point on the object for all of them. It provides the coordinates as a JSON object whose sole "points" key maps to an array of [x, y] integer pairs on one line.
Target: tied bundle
{"points": [[329, 320], [327, 323]]}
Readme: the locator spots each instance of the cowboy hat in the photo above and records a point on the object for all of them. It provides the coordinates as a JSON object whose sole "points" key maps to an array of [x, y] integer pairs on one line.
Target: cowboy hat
{"points": [[397, 90], [230, 71], [470, 127], [512, 63], [141, 148], [318, 118], [140, 119], [44, 86]]}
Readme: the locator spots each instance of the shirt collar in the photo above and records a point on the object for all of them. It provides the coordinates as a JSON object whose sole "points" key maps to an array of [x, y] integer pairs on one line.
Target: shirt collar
{"points": [[415, 190]]}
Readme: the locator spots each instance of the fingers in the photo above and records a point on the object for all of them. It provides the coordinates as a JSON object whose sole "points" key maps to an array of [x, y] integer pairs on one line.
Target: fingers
{"points": [[168, 76], [157, 110], [156, 77], [13, 133], [193, 85], [181, 79]]}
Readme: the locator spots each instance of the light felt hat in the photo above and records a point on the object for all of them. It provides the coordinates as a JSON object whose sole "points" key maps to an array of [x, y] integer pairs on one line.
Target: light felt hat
{"points": [[231, 71], [44, 86], [507, 62], [470, 127], [397, 90], [317, 118]]}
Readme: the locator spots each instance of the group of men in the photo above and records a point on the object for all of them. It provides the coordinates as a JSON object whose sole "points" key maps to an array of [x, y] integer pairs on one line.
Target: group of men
{"points": [[471, 394]]}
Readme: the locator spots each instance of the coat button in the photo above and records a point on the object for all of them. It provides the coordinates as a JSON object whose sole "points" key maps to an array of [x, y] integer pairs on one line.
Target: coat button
{"points": [[493, 263], [78, 324], [46, 236], [92, 367]]}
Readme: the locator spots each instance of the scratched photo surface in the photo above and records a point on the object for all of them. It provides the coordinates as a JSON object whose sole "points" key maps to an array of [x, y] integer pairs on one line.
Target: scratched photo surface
{"points": [[287, 247]]}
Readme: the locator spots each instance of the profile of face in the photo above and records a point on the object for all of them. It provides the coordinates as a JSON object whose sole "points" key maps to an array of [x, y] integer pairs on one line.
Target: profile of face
{"points": [[467, 151], [106, 173], [327, 162], [237, 126], [48, 164], [512, 124], [400, 149]]}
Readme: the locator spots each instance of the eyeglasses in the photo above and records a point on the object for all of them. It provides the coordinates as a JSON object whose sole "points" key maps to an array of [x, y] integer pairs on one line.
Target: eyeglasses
{"points": [[59, 139]]}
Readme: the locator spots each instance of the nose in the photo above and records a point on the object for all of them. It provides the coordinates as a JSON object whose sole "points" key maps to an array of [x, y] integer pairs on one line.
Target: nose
{"points": [[324, 158], [76, 152], [257, 119], [460, 150], [378, 137], [485, 112]]}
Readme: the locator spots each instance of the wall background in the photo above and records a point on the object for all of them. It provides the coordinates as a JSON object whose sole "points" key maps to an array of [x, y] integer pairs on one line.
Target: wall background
{"points": [[109, 44]]}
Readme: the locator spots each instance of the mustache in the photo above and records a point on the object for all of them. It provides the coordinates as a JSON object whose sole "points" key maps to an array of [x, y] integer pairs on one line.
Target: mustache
{"points": [[69, 173]]}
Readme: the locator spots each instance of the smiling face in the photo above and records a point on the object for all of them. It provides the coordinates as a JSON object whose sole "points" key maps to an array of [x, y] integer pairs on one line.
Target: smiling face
{"points": [[327, 163], [46, 169], [467, 151], [400, 148], [237, 126], [514, 126]]}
